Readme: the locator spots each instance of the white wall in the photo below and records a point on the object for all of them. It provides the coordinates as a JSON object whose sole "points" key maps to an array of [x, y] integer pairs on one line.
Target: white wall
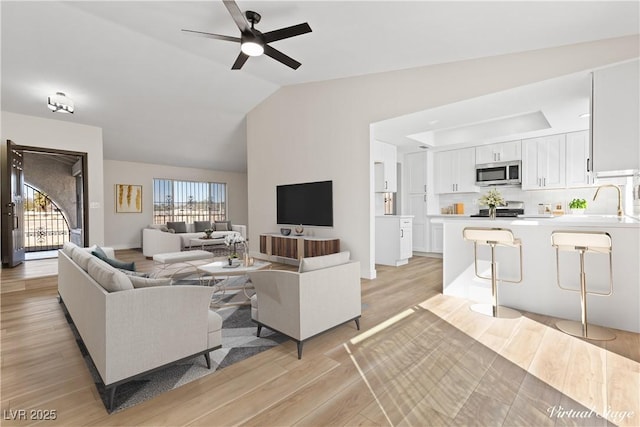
{"points": [[124, 230], [605, 204], [320, 130], [63, 135]]}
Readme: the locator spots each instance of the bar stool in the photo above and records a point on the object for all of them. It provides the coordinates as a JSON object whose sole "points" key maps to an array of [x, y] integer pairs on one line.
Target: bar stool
{"points": [[583, 242], [493, 237]]}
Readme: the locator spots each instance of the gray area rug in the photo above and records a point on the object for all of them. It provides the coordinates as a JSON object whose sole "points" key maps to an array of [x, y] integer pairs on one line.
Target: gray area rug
{"points": [[239, 342]]}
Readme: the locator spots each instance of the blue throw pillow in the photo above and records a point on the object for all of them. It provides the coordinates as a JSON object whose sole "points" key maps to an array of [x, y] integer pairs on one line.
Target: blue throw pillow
{"points": [[98, 252]]}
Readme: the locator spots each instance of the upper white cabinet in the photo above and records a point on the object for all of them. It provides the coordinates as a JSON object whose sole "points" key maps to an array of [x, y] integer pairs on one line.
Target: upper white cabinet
{"points": [[543, 162], [577, 159], [385, 157], [455, 171], [616, 118], [501, 152]]}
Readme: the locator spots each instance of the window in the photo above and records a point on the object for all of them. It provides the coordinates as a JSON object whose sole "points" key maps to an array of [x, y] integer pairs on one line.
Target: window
{"points": [[188, 201]]}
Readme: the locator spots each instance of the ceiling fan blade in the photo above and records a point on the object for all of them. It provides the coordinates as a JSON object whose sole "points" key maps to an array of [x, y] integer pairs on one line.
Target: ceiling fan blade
{"points": [[240, 60], [285, 33], [214, 36], [237, 15], [281, 57]]}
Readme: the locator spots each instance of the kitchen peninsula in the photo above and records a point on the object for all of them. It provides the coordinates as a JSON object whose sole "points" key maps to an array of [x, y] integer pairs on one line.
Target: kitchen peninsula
{"points": [[538, 291]]}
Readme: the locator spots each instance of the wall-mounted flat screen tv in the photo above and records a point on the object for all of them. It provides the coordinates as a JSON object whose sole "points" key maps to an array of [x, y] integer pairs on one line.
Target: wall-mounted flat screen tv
{"points": [[309, 203]]}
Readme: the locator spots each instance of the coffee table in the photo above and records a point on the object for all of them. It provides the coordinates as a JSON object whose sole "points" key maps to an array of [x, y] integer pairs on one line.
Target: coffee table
{"points": [[207, 244], [212, 272]]}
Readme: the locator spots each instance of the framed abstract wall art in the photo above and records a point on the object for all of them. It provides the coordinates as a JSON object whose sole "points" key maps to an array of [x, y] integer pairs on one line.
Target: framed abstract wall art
{"points": [[128, 198]]}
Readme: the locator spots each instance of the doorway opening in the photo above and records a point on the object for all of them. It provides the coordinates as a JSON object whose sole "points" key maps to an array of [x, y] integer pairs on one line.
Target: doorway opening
{"points": [[48, 203]]}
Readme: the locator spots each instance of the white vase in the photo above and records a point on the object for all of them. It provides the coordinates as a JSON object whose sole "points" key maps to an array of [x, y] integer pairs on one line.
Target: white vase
{"points": [[577, 211]]}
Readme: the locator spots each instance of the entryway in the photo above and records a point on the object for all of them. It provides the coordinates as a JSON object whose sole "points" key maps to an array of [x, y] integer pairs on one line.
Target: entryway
{"points": [[43, 202]]}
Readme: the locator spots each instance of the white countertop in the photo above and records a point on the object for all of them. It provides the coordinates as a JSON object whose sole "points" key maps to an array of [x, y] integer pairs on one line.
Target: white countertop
{"points": [[562, 220]]}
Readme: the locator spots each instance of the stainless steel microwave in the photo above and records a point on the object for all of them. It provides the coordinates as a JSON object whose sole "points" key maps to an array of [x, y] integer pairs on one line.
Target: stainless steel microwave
{"points": [[503, 173]]}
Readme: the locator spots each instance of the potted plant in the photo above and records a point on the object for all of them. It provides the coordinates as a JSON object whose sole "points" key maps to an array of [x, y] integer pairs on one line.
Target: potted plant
{"points": [[207, 232], [578, 206], [232, 240]]}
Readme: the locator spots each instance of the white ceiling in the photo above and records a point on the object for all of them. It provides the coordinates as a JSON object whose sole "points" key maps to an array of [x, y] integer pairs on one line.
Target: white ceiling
{"points": [[164, 97], [544, 108]]}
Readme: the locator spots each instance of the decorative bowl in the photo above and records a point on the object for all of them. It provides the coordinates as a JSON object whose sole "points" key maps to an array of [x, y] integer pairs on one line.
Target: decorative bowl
{"points": [[285, 231]]}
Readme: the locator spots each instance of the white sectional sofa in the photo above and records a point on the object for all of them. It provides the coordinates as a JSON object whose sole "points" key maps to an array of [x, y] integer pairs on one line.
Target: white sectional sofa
{"points": [[156, 241], [324, 293], [129, 331]]}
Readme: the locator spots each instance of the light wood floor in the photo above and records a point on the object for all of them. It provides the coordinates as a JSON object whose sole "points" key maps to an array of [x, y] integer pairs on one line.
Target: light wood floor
{"points": [[420, 359]]}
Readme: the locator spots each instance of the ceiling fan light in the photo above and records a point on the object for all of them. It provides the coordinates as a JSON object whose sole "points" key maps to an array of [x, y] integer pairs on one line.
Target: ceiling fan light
{"points": [[252, 48], [60, 103]]}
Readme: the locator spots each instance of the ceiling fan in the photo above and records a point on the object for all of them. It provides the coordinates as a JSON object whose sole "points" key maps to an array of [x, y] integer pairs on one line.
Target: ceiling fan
{"points": [[252, 41]]}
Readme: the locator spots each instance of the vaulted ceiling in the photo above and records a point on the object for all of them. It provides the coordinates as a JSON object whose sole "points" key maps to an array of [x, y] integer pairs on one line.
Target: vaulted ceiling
{"points": [[165, 97]]}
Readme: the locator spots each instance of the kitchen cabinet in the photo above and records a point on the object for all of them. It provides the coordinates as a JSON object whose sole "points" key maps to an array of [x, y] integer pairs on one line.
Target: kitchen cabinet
{"points": [[615, 118], [393, 239], [577, 160], [501, 152], [417, 207], [538, 291], [437, 237], [297, 247], [415, 167], [385, 159], [455, 171], [543, 162]]}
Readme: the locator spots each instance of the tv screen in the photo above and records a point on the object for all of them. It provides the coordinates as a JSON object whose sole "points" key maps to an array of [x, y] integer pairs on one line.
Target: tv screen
{"points": [[310, 203]]}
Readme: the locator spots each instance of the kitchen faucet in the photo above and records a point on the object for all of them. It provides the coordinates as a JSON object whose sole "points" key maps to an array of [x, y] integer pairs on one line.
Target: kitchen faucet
{"points": [[620, 213]]}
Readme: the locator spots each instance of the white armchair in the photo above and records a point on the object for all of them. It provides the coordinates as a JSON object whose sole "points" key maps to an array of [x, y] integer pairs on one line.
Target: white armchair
{"points": [[303, 305]]}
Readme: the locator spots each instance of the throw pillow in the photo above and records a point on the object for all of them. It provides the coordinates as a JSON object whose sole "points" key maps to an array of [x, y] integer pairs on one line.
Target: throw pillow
{"points": [[145, 282], [109, 278], [178, 227], [200, 226], [81, 258], [107, 251], [161, 227], [324, 261], [223, 225], [68, 248], [134, 273], [99, 252], [116, 263]]}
